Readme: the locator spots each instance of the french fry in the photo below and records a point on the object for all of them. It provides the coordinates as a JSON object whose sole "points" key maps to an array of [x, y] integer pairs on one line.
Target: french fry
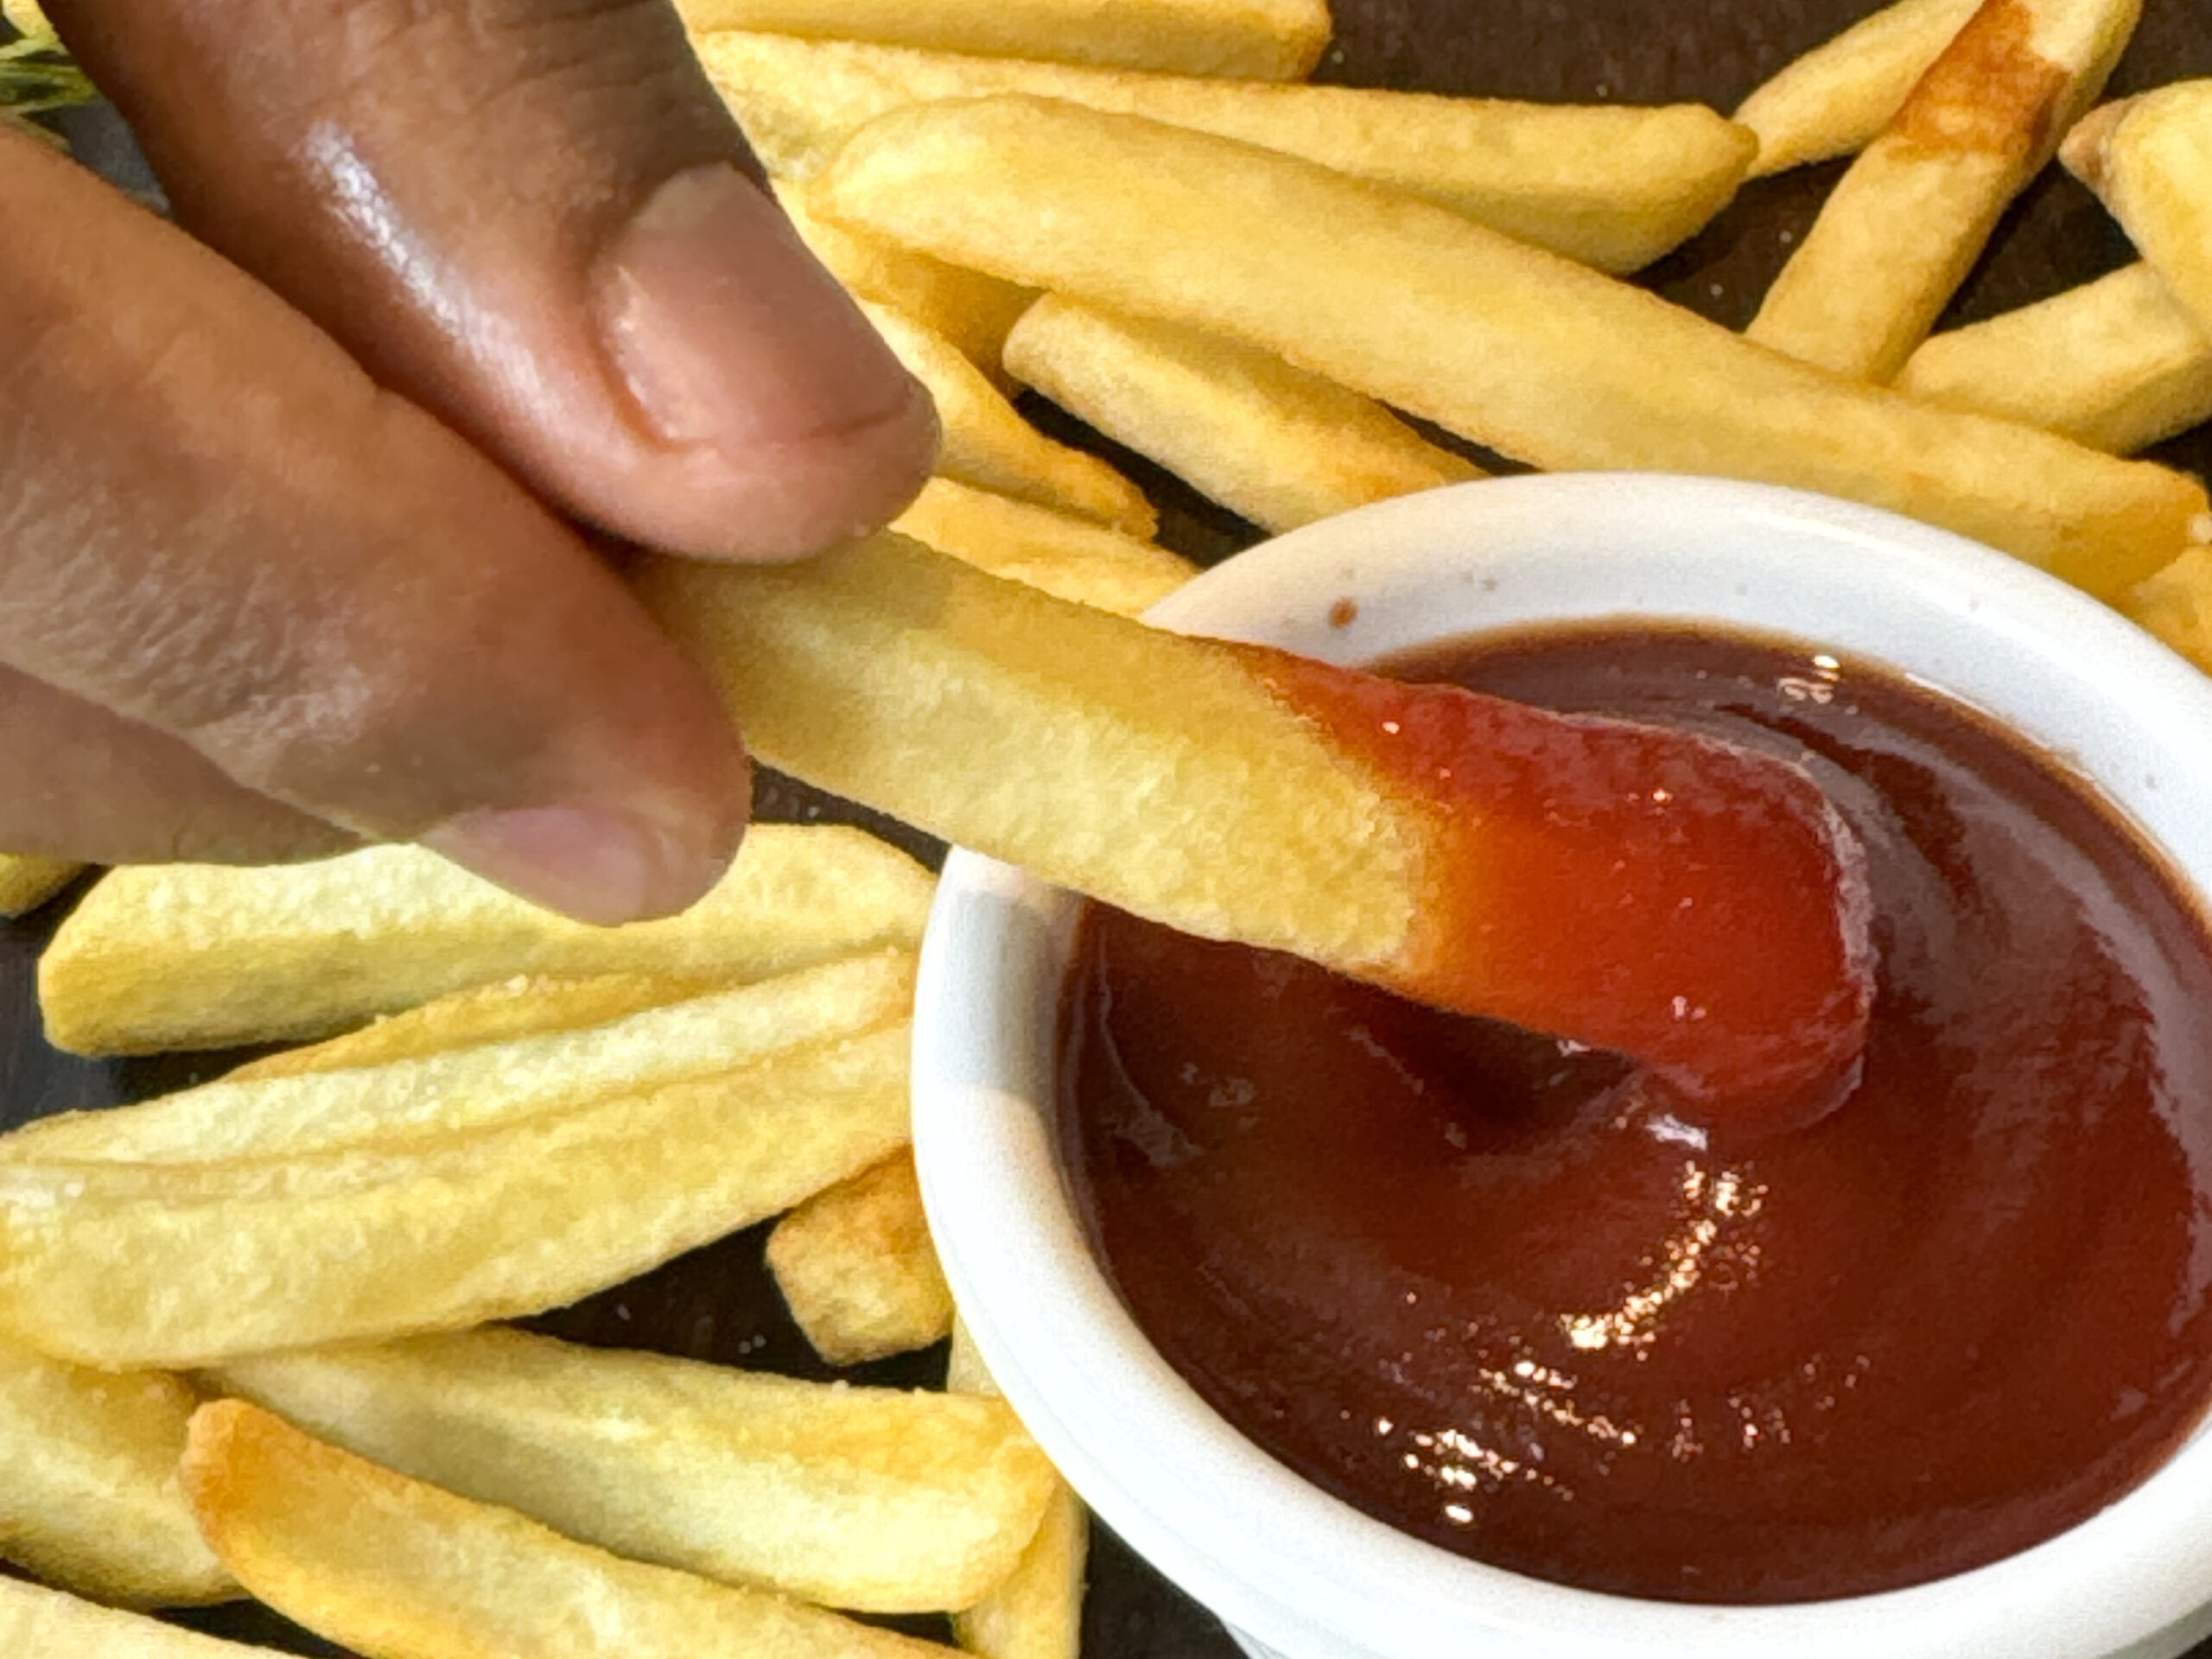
{"points": [[1611, 185], [988, 445], [1070, 557], [1502, 344], [209, 956], [27, 882], [1900, 232], [40, 1623], [858, 1271], [2175, 606], [442, 1093], [1256, 40], [1835, 99], [180, 1266], [90, 1499], [971, 310], [1037, 1613], [525, 1005], [397, 1569], [2150, 160], [2115, 364], [1282, 447], [875, 1500]]}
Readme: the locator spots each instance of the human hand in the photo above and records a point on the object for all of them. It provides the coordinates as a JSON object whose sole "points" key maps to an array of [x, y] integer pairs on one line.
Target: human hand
{"points": [[283, 560]]}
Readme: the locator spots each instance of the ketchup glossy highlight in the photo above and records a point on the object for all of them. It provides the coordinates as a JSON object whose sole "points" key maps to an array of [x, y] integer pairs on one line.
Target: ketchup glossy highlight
{"points": [[1464, 1276]]}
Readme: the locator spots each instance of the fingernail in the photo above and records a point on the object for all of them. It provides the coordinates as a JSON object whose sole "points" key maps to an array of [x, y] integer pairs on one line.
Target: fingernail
{"points": [[596, 864], [728, 332]]}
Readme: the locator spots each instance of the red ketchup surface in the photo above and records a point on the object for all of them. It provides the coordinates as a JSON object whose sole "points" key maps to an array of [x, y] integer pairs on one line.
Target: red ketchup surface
{"points": [[1490, 1287]]}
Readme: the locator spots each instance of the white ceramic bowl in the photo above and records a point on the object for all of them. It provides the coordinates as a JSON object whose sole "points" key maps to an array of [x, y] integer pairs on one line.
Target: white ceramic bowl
{"points": [[1292, 1570]]}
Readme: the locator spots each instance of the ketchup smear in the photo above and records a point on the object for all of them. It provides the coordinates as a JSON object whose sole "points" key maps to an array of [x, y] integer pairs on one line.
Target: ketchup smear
{"points": [[1463, 1276]]}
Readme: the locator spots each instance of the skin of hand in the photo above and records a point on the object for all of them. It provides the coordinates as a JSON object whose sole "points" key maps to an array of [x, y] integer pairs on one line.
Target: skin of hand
{"points": [[310, 504]]}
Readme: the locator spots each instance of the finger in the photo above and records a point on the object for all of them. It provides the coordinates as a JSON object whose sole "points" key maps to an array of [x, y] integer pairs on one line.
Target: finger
{"points": [[533, 217], [89, 786], [211, 523]]}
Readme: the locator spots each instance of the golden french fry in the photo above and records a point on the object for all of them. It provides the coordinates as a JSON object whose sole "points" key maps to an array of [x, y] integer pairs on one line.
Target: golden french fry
{"points": [[988, 445], [1280, 446], [40, 1623], [858, 1271], [489, 1084], [176, 1265], [1832, 101], [1037, 1613], [2175, 606], [871, 1499], [1611, 185], [2116, 364], [1900, 232], [394, 1567], [526, 1006], [90, 1501], [1072, 558], [27, 882], [2150, 160], [1256, 40], [971, 310], [196, 955], [1487, 338]]}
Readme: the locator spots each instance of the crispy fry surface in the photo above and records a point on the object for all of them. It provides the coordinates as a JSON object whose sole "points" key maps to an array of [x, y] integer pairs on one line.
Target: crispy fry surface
{"points": [[1501, 343], [2175, 606], [439, 1094], [1260, 40], [2150, 159], [397, 1569], [1613, 186], [1071, 559], [857, 1268], [1835, 99], [2116, 364], [1279, 446], [208, 956], [871, 1499], [89, 1500], [41, 1624], [177, 1266], [27, 882], [1900, 232]]}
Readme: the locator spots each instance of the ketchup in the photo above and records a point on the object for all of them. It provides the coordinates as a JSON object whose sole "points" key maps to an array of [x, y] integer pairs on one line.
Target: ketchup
{"points": [[1483, 1285]]}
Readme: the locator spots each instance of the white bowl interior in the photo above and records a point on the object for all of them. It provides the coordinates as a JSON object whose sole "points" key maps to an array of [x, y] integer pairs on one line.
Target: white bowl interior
{"points": [[1302, 1573]]}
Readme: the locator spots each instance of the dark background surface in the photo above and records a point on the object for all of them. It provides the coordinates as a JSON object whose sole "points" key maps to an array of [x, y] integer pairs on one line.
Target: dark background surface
{"points": [[718, 1304]]}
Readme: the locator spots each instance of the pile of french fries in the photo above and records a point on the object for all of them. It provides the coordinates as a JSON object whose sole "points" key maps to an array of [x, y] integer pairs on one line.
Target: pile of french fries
{"points": [[254, 1335]]}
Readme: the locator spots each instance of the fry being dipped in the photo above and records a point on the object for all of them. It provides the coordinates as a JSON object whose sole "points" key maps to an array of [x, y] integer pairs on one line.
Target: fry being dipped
{"points": [[1465, 851]]}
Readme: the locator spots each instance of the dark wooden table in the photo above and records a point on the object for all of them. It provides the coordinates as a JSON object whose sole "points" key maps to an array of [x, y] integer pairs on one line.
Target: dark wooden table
{"points": [[717, 1304]]}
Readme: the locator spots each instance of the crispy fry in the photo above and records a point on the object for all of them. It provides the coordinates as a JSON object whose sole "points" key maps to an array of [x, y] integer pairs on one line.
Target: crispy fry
{"points": [[90, 1499], [39, 1624], [207, 957], [1072, 559], [872, 1499], [391, 1566], [971, 310], [1257, 40], [1280, 446], [858, 1271], [487, 1086], [988, 445], [27, 882], [1037, 1613], [525, 1005], [2150, 160], [1487, 338], [1611, 185], [177, 1266], [1832, 101], [2115, 364], [2175, 606], [1907, 222]]}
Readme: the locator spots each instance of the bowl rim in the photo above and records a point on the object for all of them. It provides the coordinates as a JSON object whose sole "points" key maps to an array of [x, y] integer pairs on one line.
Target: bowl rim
{"points": [[1278, 1559]]}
